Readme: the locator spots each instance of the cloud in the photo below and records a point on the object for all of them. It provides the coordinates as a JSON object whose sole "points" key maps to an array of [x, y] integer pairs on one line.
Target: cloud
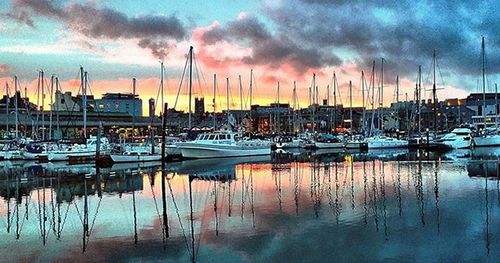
{"points": [[152, 31], [405, 33], [268, 48]]}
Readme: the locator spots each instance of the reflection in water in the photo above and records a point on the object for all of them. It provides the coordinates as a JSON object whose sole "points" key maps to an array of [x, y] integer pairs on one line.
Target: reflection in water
{"points": [[332, 207]]}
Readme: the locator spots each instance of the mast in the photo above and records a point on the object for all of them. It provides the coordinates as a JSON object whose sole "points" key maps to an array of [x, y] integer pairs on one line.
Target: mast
{"points": [[215, 87], [314, 106], [133, 107], [350, 102], [227, 102], [16, 106], [381, 117], [57, 110], [496, 108], [161, 85], [278, 109], [419, 95], [251, 94], [484, 81], [241, 99], [7, 102], [51, 102], [434, 97], [42, 108], [294, 117], [363, 98], [190, 83], [372, 123], [334, 102]]}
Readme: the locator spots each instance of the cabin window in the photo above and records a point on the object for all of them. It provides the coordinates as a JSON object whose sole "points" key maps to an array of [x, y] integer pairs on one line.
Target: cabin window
{"points": [[212, 137], [217, 137], [223, 136]]}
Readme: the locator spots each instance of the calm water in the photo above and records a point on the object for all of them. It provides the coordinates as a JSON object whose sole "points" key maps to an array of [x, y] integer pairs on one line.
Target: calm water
{"points": [[382, 206]]}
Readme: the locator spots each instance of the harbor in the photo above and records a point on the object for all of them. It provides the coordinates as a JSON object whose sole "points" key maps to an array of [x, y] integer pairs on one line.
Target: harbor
{"points": [[256, 131], [206, 210]]}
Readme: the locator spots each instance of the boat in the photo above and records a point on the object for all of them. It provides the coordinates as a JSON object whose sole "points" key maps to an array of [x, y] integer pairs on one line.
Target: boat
{"points": [[356, 143], [10, 151], [223, 144], [489, 137], [80, 151], [384, 142], [328, 141], [286, 142], [135, 153], [459, 138]]}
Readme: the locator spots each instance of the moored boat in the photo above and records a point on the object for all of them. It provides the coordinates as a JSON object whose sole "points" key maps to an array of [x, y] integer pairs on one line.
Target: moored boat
{"points": [[223, 144]]}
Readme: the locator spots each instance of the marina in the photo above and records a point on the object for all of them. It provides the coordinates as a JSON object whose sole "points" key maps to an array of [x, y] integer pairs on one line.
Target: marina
{"points": [[253, 131], [255, 209]]}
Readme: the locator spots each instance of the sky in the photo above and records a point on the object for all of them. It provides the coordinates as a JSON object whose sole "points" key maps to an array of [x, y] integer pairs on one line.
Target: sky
{"points": [[281, 41]]}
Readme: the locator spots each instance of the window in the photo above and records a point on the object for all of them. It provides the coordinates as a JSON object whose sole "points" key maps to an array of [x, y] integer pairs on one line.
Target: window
{"points": [[212, 137], [63, 101], [101, 106], [117, 106]]}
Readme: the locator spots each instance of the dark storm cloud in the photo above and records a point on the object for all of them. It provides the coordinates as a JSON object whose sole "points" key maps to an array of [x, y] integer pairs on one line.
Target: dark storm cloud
{"points": [[269, 49], [405, 33], [95, 22]]}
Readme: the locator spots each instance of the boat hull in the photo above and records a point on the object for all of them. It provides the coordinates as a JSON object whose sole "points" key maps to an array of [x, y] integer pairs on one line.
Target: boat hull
{"points": [[329, 145], [196, 151], [486, 141], [384, 143], [122, 158]]}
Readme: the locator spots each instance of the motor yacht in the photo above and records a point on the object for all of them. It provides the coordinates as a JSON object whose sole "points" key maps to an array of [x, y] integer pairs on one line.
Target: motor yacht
{"points": [[223, 144]]}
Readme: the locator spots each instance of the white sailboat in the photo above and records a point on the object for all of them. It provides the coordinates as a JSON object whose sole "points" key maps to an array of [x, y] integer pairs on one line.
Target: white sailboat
{"points": [[138, 152], [382, 141], [487, 137]]}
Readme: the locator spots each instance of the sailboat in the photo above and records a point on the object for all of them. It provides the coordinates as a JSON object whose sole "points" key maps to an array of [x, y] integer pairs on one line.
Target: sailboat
{"points": [[382, 141], [487, 138], [10, 150], [135, 152]]}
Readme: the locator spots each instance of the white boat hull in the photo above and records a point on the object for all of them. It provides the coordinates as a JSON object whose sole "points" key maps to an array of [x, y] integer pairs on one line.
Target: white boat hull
{"points": [[197, 151], [123, 158], [329, 145], [386, 143], [488, 140], [11, 155]]}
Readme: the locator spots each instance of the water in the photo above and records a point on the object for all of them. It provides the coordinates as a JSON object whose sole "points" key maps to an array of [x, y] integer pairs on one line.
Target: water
{"points": [[383, 206]]}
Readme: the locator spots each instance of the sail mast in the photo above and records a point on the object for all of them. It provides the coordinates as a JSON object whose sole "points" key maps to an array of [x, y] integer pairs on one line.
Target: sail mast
{"points": [[484, 82], [251, 94], [51, 102], [334, 102], [133, 106], [227, 102], [434, 97], [314, 106], [350, 103], [16, 106], [7, 102], [42, 108], [241, 99], [496, 108], [190, 83], [381, 118], [278, 110], [215, 86]]}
